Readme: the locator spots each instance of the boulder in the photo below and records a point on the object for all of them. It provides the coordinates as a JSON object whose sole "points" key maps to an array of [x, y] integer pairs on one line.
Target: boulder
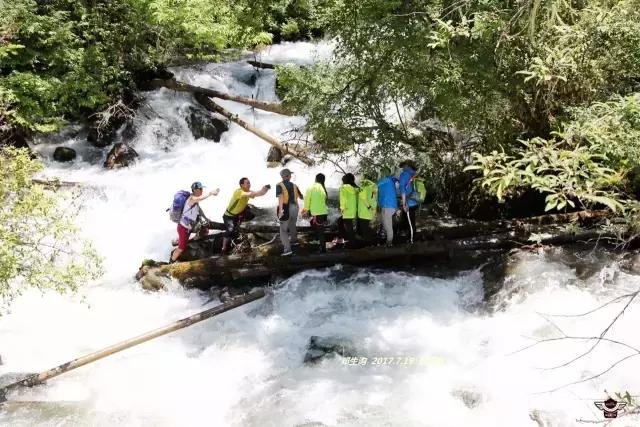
{"points": [[630, 263], [321, 347], [274, 158], [64, 154], [121, 155], [204, 125]]}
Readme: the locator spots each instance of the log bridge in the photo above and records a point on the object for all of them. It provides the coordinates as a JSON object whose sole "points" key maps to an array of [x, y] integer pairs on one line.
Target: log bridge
{"points": [[264, 262]]}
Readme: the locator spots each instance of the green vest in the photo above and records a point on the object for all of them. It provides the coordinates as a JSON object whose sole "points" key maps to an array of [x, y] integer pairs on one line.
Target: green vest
{"points": [[348, 201], [315, 200], [237, 203], [367, 200]]}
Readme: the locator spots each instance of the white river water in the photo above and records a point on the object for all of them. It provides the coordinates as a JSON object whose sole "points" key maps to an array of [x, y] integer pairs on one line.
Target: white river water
{"points": [[245, 367]]}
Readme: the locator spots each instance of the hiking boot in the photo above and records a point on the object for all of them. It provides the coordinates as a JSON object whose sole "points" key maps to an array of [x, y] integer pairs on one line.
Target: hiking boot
{"points": [[288, 253]]}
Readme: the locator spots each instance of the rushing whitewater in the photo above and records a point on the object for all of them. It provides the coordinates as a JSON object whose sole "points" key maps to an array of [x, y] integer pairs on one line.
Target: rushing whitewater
{"points": [[455, 362]]}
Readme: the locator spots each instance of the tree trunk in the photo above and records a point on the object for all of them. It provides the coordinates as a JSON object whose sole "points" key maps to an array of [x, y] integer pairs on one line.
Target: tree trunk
{"points": [[223, 269], [260, 64], [213, 107], [185, 87]]}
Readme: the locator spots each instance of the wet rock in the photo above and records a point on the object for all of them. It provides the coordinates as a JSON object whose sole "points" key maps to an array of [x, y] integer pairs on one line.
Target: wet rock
{"points": [[471, 399], [64, 154], [496, 272], [274, 158], [204, 125], [121, 155], [321, 347], [630, 263]]}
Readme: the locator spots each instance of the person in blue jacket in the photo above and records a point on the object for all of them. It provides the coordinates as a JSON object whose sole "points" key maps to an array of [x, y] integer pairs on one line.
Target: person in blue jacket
{"points": [[388, 202], [409, 194]]}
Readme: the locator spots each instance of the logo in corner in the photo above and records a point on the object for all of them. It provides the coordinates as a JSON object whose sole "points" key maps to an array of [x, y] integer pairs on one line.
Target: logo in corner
{"points": [[610, 407]]}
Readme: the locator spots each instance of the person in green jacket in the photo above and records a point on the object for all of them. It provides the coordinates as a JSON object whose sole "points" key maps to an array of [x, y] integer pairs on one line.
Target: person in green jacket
{"points": [[367, 205], [348, 209], [315, 204]]}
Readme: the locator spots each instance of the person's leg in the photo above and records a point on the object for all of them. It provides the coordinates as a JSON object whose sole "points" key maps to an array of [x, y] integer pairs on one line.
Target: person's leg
{"points": [[364, 226], [284, 236], [293, 219], [387, 223], [230, 226], [349, 231], [183, 238], [318, 225]]}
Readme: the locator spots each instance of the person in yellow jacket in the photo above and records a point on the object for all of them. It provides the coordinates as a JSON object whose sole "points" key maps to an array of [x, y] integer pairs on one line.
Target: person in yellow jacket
{"points": [[237, 209], [348, 209], [367, 205], [315, 204]]}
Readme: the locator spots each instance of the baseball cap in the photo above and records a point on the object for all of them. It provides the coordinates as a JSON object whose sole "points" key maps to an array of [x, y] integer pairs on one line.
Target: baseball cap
{"points": [[285, 172], [196, 185]]}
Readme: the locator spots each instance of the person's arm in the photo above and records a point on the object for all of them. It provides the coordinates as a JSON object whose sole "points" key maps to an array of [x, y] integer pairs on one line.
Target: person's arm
{"points": [[252, 194], [343, 199], [404, 178], [280, 204], [197, 199], [307, 202]]}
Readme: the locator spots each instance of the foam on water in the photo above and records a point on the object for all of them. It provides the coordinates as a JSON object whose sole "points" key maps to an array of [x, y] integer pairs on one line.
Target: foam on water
{"points": [[246, 366]]}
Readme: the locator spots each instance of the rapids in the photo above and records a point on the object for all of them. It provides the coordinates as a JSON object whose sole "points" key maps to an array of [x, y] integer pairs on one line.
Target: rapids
{"points": [[453, 354]]}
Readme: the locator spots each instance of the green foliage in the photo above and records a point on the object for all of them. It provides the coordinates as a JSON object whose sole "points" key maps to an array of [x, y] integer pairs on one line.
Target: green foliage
{"points": [[64, 59], [444, 79], [39, 245], [585, 162]]}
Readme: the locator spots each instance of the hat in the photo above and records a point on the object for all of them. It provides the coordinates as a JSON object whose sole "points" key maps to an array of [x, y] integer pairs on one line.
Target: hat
{"points": [[196, 185], [285, 173]]}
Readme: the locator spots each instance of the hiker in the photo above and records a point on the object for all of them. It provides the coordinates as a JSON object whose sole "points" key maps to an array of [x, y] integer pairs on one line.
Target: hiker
{"points": [[367, 204], [348, 209], [388, 202], [237, 210], [288, 194], [189, 217], [315, 203], [409, 194]]}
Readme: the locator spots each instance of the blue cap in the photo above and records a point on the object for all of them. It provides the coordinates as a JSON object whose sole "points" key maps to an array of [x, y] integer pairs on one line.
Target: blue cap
{"points": [[196, 185]]}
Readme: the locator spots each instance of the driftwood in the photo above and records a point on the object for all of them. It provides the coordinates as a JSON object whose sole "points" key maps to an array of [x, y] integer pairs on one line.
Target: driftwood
{"points": [[260, 64], [55, 183], [207, 103], [185, 87], [41, 377]]}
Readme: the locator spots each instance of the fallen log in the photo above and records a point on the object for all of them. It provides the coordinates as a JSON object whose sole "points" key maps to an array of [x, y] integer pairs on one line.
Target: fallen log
{"points": [[207, 103], [41, 377], [185, 87], [260, 64], [56, 183], [222, 269]]}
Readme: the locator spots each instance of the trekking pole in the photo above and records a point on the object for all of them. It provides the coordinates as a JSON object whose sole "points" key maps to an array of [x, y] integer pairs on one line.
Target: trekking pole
{"points": [[39, 378], [410, 225]]}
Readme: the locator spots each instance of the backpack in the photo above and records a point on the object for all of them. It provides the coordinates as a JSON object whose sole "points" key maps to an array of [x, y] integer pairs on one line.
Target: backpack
{"points": [[421, 189], [179, 199]]}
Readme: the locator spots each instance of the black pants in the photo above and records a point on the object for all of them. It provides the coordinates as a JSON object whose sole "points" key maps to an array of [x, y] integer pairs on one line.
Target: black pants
{"points": [[364, 229], [231, 224], [346, 229], [318, 223]]}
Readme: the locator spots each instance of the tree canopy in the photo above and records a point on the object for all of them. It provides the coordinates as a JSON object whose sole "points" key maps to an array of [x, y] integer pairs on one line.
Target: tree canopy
{"points": [[446, 79]]}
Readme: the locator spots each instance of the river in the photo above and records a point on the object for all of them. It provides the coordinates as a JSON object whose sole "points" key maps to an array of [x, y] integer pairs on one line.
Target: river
{"points": [[437, 354]]}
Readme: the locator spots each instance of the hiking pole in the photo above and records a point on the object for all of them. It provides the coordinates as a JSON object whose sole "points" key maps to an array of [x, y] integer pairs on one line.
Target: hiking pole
{"points": [[410, 225], [39, 378]]}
